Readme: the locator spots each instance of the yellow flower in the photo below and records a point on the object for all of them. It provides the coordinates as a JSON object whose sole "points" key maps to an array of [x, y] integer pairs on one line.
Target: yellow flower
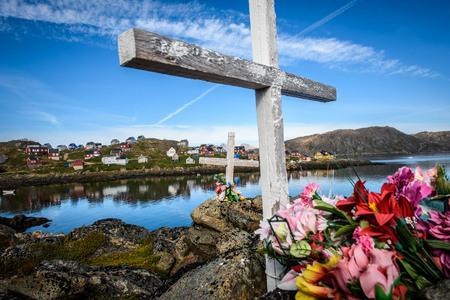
{"points": [[308, 283]]}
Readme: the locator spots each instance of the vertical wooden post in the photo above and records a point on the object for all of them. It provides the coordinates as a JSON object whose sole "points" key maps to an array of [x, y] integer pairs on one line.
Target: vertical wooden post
{"points": [[275, 194], [230, 157]]}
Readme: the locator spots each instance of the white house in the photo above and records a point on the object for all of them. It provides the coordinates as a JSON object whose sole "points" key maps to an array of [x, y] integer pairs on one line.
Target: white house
{"points": [[142, 159], [193, 151], [175, 157], [114, 160], [190, 160], [171, 152]]}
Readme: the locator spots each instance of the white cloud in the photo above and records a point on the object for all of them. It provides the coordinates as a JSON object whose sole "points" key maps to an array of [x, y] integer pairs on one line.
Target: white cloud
{"points": [[227, 32], [44, 116]]}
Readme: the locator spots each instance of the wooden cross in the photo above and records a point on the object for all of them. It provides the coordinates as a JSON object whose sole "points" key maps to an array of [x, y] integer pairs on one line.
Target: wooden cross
{"points": [[152, 52], [230, 161]]}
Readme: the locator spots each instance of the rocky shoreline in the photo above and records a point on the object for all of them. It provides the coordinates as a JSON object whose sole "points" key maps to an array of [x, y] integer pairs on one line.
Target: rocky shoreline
{"points": [[214, 258], [15, 181]]}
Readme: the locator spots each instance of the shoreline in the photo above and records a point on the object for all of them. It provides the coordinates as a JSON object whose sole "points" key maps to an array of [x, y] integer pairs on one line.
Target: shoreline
{"points": [[15, 181]]}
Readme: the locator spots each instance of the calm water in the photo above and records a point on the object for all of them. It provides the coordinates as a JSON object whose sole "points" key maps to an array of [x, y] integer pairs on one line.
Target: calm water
{"points": [[157, 202]]}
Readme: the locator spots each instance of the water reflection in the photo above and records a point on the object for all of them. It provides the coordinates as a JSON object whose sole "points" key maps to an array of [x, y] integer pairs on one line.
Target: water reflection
{"points": [[156, 202]]}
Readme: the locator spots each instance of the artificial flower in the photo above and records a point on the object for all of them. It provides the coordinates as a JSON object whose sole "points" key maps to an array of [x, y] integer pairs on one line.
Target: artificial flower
{"points": [[308, 282], [306, 197]]}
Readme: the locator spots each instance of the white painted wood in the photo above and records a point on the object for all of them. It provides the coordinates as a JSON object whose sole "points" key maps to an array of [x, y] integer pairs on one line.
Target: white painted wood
{"points": [[274, 184], [230, 157], [149, 51], [203, 160], [230, 161]]}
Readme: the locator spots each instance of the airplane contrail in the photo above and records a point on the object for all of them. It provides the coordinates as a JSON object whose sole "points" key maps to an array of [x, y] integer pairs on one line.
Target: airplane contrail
{"points": [[188, 104], [328, 18]]}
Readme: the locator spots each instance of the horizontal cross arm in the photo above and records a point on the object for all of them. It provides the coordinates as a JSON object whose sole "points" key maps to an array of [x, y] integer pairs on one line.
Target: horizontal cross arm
{"points": [[149, 51], [223, 162]]}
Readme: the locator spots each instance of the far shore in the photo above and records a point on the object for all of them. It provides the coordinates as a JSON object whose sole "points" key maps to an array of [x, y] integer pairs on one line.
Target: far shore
{"points": [[10, 181]]}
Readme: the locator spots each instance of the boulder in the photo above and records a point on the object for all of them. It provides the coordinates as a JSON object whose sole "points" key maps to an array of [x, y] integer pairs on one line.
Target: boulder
{"points": [[121, 237], [165, 238], [6, 236], [212, 214], [233, 275], [202, 241], [225, 216], [59, 279], [21, 223], [21, 244], [217, 228]]}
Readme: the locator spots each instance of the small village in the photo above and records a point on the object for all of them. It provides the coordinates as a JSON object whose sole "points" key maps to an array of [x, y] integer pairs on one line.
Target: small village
{"points": [[120, 154]]}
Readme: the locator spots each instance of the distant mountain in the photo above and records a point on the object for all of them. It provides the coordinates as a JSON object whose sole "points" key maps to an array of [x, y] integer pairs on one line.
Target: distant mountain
{"points": [[371, 140]]}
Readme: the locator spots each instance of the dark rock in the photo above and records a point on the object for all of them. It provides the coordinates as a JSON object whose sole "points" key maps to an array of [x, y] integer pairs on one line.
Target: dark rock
{"points": [[278, 294], [243, 216], [202, 241], [165, 238], [22, 244], [234, 240], [232, 275], [225, 216], [439, 291], [22, 222], [59, 279], [6, 236], [121, 237]]}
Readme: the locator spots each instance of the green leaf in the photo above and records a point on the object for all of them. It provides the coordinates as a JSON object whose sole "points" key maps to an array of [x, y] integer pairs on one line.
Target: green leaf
{"points": [[422, 282], [411, 272], [441, 182], [380, 295], [364, 224], [322, 205], [282, 231], [438, 244], [300, 249], [263, 251], [344, 230]]}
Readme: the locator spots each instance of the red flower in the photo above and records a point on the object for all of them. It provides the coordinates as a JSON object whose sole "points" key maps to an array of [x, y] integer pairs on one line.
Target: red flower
{"points": [[380, 212], [359, 195]]}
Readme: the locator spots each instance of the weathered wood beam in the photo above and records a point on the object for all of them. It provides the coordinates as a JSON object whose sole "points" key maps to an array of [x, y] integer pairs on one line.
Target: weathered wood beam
{"points": [[149, 51], [224, 162]]}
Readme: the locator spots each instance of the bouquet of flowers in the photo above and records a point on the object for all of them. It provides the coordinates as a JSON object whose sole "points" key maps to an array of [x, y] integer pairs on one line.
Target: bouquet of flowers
{"points": [[226, 191], [371, 245]]}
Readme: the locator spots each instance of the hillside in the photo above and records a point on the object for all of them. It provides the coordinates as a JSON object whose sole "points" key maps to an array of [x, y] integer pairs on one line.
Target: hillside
{"points": [[371, 140]]}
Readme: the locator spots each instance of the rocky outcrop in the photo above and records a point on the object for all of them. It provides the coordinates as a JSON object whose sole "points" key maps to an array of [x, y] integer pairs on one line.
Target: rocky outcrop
{"points": [[232, 275], [217, 228], [120, 236], [20, 223], [59, 279]]}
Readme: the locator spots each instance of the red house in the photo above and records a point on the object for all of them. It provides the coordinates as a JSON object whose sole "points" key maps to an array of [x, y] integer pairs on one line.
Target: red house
{"points": [[77, 165], [91, 153], [34, 162], [239, 149], [53, 154], [116, 152], [208, 151], [125, 146], [36, 150], [295, 153]]}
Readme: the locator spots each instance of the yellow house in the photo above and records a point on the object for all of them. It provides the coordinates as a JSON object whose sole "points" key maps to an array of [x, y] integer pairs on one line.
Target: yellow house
{"points": [[323, 155]]}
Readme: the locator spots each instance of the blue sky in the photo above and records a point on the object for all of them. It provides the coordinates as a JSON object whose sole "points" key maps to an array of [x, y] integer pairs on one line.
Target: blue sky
{"points": [[61, 82]]}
